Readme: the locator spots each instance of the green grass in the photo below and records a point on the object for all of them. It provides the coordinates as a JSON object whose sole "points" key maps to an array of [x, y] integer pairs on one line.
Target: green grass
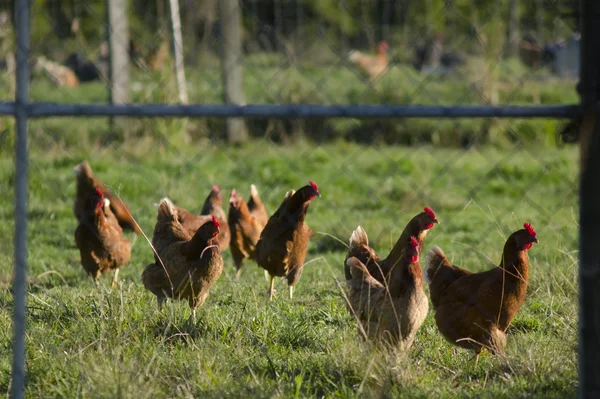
{"points": [[89, 342]]}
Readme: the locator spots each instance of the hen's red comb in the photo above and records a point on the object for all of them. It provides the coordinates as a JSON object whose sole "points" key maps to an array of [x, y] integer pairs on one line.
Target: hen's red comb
{"points": [[99, 192], [215, 222], [216, 188], [314, 185], [414, 242], [530, 230], [429, 211]]}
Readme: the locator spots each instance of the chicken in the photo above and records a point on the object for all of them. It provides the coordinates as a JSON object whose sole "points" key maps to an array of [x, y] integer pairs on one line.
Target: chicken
{"points": [[211, 207], [99, 238], [377, 267], [282, 246], [59, 74], [85, 70], [371, 66], [185, 266], [473, 310], [213, 204], [246, 222], [394, 313], [86, 183]]}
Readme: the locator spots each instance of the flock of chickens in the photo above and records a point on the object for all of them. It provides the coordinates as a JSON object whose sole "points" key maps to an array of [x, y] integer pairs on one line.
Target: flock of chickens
{"points": [[385, 295]]}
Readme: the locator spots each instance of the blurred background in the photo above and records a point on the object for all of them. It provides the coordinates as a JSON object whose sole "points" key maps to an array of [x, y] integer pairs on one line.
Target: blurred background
{"points": [[299, 51]]}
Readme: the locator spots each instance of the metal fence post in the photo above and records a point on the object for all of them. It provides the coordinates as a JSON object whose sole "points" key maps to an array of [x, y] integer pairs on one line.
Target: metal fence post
{"points": [[589, 217], [20, 281]]}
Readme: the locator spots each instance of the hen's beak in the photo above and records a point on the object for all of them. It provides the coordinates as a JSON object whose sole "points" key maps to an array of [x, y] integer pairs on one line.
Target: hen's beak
{"points": [[436, 221], [318, 194], [76, 170], [536, 241]]}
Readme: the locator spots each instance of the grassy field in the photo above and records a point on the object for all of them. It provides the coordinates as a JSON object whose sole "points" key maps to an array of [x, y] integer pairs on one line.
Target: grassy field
{"points": [[85, 341]]}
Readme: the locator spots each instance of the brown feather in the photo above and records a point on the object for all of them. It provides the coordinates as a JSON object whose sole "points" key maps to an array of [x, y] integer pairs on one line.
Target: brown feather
{"points": [[392, 314], [86, 183], [371, 66], [189, 267], [213, 207], [99, 238], [473, 310], [191, 222], [281, 249], [380, 268], [246, 222]]}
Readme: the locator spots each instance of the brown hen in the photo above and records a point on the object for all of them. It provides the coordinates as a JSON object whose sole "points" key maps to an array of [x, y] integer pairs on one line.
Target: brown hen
{"points": [[473, 310], [99, 238], [86, 183], [282, 246], [185, 267], [392, 314], [371, 66], [378, 267], [246, 222], [211, 207]]}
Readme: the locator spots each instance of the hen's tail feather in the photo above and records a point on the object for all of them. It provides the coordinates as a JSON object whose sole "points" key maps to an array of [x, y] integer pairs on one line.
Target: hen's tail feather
{"points": [[253, 191], [497, 340], [167, 206], [289, 194], [354, 55], [358, 238], [433, 261], [167, 200]]}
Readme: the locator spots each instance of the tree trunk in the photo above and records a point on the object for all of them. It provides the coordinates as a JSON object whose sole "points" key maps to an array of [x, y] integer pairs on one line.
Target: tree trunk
{"points": [[118, 43], [178, 51], [232, 71]]}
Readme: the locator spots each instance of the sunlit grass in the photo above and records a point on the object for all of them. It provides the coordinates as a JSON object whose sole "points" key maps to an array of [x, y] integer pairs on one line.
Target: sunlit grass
{"points": [[89, 342]]}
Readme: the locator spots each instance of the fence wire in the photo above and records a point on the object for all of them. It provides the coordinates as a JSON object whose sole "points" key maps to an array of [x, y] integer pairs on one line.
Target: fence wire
{"points": [[334, 83]]}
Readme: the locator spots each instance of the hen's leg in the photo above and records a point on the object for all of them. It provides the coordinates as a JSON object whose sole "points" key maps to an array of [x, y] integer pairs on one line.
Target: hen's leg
{"points": [[272, 287], [291, 291], [477, 354], [114, 282], [239, 273], [194, 303], [95, 277], [267, 277], [160, 301]]}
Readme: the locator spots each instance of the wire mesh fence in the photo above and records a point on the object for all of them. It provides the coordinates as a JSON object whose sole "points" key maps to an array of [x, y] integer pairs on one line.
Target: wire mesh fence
{"points": [[390, 105]]}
